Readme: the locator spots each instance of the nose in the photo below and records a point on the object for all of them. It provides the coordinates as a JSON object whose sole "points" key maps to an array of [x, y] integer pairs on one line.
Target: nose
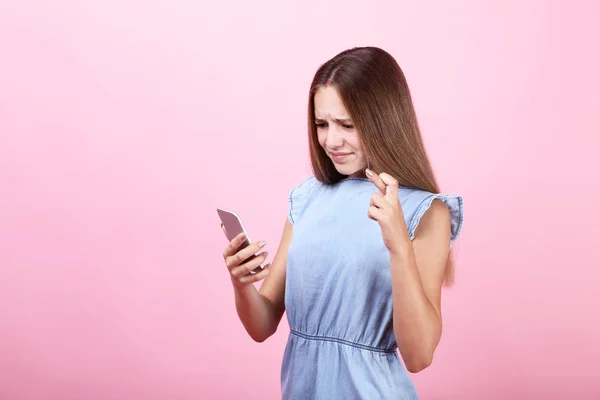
{"points": [[335, 136]]}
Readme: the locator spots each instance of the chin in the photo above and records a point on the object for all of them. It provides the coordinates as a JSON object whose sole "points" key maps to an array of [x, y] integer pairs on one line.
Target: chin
{"points": [[348, 170]]}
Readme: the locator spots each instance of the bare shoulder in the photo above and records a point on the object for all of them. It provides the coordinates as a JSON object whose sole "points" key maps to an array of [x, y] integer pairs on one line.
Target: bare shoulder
{"points": [[435, 221]]}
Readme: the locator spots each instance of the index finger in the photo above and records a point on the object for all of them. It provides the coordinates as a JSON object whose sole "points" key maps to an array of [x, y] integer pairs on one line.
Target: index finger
{"points": [[376, 179], [234, 245], [391, 184]]}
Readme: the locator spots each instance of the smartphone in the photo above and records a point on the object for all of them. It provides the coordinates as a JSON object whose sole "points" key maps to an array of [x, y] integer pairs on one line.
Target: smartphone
{"points": [[233, 227]]}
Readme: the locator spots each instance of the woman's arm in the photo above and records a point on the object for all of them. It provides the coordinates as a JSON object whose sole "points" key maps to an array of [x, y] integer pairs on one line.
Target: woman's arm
{"points": [[260, 311], [417, 277], [417, 270]]}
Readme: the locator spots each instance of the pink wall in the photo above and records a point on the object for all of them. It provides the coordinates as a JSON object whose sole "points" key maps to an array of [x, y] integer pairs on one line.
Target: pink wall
{"points": [[124, 124]]}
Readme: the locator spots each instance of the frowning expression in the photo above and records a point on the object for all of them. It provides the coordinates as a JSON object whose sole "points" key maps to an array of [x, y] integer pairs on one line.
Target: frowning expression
{"points": [[337, 134]]}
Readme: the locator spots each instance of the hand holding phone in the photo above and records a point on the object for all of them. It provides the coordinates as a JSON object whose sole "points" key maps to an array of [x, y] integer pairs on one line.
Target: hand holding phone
{"points": [[241, 255]]}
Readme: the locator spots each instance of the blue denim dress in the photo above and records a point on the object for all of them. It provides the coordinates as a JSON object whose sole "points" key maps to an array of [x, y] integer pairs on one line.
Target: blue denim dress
{"points": [[338, 294]]}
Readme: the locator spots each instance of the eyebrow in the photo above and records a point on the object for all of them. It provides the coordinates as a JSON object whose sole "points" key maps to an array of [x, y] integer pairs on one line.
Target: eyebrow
{"points": [[342, 120]]}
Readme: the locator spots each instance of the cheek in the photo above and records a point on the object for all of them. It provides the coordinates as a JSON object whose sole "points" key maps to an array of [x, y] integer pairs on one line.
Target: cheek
{"points": [[322, 137], [355, 142]]}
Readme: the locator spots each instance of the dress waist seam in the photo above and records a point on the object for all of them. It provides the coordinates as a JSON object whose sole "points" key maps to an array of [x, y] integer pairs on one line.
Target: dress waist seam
{"points": [[342, 341]]}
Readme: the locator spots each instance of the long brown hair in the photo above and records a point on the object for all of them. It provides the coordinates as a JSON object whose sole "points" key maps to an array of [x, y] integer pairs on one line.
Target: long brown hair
{"points": [[374, 90]]}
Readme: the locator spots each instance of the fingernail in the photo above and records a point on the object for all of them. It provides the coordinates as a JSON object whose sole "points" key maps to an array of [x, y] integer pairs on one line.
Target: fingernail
{"points": [[262, 243], [369, 172]]}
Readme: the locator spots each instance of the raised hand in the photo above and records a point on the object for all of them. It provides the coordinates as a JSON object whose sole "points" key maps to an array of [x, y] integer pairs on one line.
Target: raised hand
{"points": [[385, 208], [242, 263]]}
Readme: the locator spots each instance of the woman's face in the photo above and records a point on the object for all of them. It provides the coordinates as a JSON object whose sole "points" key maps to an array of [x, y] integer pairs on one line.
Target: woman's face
{"points": [[337, 134]]}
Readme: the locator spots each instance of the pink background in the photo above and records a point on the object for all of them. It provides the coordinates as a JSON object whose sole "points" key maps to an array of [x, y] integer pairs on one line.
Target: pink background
{"points": [[124, 124]]}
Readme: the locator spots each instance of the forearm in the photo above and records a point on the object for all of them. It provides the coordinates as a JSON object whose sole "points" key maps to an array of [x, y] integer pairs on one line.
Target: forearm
{"points": [[417, 324], [256, 313]]}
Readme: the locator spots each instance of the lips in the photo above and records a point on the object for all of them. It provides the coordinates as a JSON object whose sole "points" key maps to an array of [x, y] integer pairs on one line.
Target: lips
{"points": [[339, 157]]}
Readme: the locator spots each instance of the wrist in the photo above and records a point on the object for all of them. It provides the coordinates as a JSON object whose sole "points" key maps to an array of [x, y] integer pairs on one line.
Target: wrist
{"points": [[401, 248], [243, 290]]}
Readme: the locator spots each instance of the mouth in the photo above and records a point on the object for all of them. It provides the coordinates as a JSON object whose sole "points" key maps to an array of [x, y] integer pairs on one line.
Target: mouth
{"points": [[339, 157]]}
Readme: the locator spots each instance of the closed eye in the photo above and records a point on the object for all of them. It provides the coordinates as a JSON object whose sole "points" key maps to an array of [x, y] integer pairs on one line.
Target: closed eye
{"points": [[320, 124], [345, 123]]}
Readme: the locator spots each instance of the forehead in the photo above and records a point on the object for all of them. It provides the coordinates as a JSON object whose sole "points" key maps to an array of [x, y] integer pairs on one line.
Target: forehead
{"points": [[328, 103]]}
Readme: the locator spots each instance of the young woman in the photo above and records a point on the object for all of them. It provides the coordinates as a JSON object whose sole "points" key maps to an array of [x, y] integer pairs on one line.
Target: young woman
{"points": [[365, 249]]}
